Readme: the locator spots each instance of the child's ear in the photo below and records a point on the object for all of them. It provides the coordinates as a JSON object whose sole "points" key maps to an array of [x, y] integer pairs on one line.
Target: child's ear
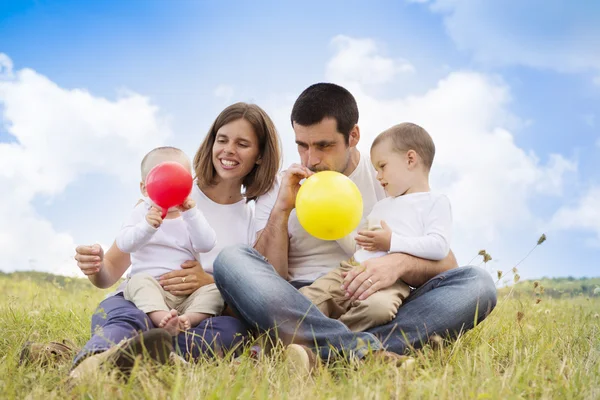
{"points": [[411, 159], [259, 160], [143, 189]]}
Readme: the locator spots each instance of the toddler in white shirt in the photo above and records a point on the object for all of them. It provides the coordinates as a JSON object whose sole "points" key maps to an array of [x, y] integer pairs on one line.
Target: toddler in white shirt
{"points": [[411, 220], [158, 246]]}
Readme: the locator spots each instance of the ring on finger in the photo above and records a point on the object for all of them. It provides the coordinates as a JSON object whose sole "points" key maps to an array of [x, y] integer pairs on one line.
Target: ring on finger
{"points": [[183, 279], [370, 281]]}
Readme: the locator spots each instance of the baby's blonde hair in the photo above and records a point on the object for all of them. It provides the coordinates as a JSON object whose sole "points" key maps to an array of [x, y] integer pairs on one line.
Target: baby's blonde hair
{"points": [[146, 165], [408, 136]]}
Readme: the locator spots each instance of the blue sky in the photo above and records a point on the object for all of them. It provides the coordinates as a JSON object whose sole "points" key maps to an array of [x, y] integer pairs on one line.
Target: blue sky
{"points": [[510, 94]]}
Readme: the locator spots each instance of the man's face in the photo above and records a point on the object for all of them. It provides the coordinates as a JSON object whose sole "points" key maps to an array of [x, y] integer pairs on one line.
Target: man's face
{"points": [[321, 147]]}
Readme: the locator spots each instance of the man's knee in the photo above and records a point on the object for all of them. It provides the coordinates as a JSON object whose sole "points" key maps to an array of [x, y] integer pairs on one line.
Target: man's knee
{"points": [[229, 260], [482, 286]]}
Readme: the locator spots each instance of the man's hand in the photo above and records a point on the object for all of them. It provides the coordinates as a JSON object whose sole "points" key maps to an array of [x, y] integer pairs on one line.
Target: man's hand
{"points": [[90, 259], [373, 275], [379, 240], [153, 217], [290, 184], [187, 280], [188, 204]]}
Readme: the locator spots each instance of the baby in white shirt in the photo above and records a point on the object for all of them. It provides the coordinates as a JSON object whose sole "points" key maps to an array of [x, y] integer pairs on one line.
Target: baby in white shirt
{"points": [[158, 246], [411, 220]]}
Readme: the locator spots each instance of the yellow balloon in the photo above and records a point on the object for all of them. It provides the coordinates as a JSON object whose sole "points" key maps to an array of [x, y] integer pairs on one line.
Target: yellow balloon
{"points": [[329, 205]]}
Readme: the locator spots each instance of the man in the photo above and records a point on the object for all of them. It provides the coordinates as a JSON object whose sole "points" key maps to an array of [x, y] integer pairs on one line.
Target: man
{"points": [[446, 301]]}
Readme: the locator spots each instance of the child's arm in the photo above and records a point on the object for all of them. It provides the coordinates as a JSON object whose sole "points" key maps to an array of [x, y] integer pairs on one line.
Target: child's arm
{"points": [[138, 229], [435, 244], [348, 242], [202, 235]]}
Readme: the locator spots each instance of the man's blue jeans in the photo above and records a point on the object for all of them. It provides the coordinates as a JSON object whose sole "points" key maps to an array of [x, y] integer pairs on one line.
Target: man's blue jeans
{"points": [[446, 305]]}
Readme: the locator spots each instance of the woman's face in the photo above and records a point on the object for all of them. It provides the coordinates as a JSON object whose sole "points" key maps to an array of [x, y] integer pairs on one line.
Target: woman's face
{"points": [[235, 151]]}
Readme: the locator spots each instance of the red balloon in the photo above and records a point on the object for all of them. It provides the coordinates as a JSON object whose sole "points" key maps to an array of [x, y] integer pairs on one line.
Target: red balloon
{"points": [[168, 185]]}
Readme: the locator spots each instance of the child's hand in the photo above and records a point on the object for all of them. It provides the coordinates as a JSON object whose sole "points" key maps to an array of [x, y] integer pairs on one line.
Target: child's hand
{"points": [[154, 217], [379, 240], [188, 204]]}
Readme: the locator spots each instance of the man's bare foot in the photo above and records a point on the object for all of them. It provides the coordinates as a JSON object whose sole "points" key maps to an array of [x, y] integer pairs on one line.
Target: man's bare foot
{"points": [[170, 323], [184, 322]]}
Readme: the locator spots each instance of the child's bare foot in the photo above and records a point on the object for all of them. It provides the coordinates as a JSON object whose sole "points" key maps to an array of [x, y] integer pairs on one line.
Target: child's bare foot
{"points": [[170, 323], [184, 322]]}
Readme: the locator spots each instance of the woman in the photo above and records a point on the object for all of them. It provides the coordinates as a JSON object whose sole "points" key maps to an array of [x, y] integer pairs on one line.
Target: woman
{"points": [[236, 163]]}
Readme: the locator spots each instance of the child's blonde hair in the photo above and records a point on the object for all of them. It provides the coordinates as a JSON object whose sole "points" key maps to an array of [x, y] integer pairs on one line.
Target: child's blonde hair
{"points": [[146, 165], [408, 136]]}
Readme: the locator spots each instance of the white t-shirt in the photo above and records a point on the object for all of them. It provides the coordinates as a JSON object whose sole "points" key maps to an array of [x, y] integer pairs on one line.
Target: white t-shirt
{"points": [[308, 257], [421, 225], [232, 223], [156, 251]]}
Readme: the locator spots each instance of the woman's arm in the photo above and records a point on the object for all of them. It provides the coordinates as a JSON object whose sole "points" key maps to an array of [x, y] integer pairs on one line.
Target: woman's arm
{"points": [[103, 270]]}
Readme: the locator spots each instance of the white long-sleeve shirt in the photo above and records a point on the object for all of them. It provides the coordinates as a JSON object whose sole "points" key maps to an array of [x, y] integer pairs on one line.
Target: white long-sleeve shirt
{"points": [[160, 250], [421, 225]]}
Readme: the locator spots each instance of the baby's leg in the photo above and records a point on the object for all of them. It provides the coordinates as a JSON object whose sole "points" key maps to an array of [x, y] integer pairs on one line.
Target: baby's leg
{"points": [[168, 320], [147, 295], [191, 319], [379, 308], [326, 292], [200, 305]]}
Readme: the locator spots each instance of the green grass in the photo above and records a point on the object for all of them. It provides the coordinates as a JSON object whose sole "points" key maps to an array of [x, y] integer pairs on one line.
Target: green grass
{"points": [[523, 350]]}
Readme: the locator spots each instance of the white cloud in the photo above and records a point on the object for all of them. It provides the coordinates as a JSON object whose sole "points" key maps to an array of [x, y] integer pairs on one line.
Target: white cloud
{"points": [[6, 67], [583, 215], [224, 92], [359, 61], [532, 33], [488, 177], [61, 135], [491, 181]]}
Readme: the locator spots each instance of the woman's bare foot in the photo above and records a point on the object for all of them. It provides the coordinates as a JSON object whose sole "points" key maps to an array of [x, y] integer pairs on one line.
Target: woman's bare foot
{"points": [[184, 322], [170, 323]]}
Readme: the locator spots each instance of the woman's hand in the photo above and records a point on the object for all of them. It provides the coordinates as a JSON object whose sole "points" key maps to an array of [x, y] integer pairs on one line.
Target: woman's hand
{"points": [[90, 259], [187, 280]]}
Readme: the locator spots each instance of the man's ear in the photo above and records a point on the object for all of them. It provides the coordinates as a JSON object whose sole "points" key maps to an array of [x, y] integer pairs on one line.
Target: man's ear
{"points": [[354, 136], [143, 189], [412, 158]]}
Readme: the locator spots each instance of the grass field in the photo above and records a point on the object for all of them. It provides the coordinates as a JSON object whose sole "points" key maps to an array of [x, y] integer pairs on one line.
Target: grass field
{"points": [[526, 349]]}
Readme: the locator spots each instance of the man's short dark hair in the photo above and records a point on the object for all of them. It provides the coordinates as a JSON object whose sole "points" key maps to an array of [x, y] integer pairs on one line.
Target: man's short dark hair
{"points": [[326, 100]]}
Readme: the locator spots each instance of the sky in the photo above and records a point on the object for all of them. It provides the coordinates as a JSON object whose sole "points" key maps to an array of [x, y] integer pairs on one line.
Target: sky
{"points": [[509, 91]]}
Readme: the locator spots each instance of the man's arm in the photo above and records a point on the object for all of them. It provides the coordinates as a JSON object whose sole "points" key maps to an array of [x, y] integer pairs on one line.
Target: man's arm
{"points": [[273, 241], [416, 271]]}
